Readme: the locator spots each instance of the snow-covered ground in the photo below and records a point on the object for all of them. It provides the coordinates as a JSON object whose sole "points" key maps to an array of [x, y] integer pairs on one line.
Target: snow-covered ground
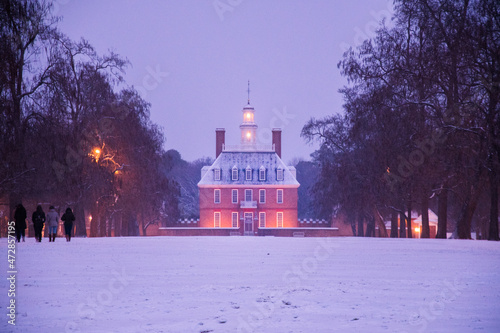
{"points": [[254, 284]]}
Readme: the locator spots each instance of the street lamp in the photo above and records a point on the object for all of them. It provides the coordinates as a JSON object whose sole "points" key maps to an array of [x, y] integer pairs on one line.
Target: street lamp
{"points": [[417, 230]]}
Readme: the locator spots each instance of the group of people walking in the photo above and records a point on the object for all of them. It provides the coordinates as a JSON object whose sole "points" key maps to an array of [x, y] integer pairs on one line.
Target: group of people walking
{"points": [[39, 218]]}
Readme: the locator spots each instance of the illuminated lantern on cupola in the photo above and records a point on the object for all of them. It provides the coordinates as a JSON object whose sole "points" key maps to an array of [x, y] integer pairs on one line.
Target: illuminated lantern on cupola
{"points": [[248, 127]]}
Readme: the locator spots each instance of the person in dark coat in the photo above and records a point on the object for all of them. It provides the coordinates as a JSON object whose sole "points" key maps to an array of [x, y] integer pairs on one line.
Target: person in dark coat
{"points": [[68, 218], [20, 219], [38, 219]]}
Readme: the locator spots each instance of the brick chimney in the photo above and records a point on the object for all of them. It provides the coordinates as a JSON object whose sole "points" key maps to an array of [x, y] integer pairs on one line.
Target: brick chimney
{"points": [[220, 134], [277, 141]]}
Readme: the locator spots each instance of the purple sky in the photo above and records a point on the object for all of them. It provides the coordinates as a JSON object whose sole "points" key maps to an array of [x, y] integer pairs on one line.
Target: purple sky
{"points": [[192, 59]]}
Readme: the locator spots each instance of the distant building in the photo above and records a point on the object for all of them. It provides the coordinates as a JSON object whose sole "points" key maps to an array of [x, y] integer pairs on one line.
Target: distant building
{"points": [[248, 188]]}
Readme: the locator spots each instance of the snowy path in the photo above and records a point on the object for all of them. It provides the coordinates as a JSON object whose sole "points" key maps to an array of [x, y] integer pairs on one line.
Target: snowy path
{"points": [[254, 284]]}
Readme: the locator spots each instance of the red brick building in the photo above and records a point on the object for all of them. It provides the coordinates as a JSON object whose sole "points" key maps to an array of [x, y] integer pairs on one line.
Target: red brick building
{"points": [[248, 188]]}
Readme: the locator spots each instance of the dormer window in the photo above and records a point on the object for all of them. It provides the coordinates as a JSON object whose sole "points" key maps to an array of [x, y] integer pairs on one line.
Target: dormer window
{"points": [[234, 173], [217, 174], [248, 173], [262, 173], [279, 174]]}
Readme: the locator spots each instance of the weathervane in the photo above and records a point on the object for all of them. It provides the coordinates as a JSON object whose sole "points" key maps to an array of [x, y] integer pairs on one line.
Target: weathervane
{"points": [[248, 91]]}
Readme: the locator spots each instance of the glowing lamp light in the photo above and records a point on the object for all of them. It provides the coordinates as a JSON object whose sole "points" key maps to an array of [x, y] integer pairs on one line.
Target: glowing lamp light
{"points": [[249, 135], [90, 217], [97, 151], [417, 229], [248, 116]]}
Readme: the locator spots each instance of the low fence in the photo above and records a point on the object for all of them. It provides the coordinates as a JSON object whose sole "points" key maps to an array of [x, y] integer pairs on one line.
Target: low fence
{"points": [[277, 232], [311, 223]]}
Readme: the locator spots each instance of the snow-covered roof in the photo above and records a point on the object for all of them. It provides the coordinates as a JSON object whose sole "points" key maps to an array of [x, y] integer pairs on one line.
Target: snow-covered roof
{"points": [[255, 160]]}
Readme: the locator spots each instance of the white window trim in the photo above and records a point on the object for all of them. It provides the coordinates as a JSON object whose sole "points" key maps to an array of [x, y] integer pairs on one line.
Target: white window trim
{"points": [[215, 196], [251, 194], [217, 174], [217, 215], [262, 170], [277, 219], [277, 196], [233, 219], [232, 196], [279, 174], [248, 172], [233, 170], [262, 225], [262, 191]]}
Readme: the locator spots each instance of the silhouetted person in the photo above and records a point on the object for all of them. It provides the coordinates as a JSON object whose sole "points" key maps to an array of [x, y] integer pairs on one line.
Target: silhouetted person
{"points": [[20, 219], [68, 218], [38, 219], [52, 223]]}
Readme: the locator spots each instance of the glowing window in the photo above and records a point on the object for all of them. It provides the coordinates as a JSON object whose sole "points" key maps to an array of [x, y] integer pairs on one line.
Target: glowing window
{"points": [[234, 219], [217, 220], [262, 220], [279, 219]]}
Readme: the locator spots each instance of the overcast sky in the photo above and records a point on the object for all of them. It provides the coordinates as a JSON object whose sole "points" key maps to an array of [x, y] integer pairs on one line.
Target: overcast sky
{"points": [[191, 59]]}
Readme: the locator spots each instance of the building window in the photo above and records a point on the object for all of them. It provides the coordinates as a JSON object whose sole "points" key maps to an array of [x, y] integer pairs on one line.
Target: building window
{"points": [[234, 219], [234, 196], [234, 173], [262, 173], [262, 220], [216, 196], [248, 174], [248, 195], [279, 196], [262, 196], [279, 219], [279, 174], [217, 220], [217, 174]]}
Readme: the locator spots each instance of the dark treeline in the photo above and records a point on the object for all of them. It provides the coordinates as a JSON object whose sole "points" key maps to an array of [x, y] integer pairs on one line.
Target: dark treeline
{"points": [[70, 136], [421, 122]]}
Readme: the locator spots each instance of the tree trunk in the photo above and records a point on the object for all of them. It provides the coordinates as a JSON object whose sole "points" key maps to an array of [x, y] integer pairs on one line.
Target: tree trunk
{"points": [[408, 224], [425, 232], [80, 230], [465, 218], [442, 213], [394, 224], [402, 225], [353, 227], [360, 225], [493, 230]]}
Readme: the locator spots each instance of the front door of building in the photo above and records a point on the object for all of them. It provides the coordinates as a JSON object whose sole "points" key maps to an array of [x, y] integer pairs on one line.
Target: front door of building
{"points": [[248, 222]]}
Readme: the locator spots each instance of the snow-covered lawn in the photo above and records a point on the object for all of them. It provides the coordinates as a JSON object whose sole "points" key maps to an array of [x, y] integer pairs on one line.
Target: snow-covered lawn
{"points": [[254, 284]]}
